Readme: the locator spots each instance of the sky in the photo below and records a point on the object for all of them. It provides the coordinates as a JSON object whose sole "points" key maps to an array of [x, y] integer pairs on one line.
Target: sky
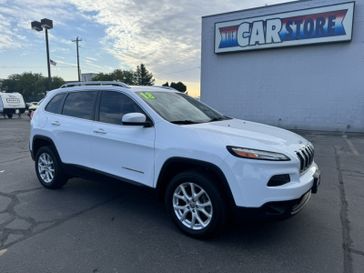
{"points": [[165, 35]]}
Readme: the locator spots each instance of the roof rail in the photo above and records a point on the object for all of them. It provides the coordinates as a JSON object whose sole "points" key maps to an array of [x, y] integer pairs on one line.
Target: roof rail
{"points": [[90, 83]]}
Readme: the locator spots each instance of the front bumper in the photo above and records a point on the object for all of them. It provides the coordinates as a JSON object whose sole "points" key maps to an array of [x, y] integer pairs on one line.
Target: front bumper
{"points": [[283, 209], [274, 210], [286, 208], [249, 182], [316, 181]]}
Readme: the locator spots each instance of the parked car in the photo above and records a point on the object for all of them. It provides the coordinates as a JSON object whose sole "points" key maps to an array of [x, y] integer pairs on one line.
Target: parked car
{"points": [[203, 163], [11, 103], [32, 107], [29, 104]]}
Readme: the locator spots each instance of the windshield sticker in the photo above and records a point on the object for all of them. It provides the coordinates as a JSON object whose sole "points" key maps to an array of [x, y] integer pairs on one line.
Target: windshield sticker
{"points": [[147, 95]]}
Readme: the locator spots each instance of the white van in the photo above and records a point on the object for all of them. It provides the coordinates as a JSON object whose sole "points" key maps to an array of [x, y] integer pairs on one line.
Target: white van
{"points": [[11, 103]]}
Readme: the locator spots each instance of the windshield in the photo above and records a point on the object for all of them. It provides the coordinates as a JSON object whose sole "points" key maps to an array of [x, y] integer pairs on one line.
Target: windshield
{"points": [[179, 108]]}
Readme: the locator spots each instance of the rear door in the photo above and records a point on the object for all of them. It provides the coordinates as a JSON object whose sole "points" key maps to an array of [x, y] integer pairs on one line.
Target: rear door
{"points": [[72, 128], [123, 151]]}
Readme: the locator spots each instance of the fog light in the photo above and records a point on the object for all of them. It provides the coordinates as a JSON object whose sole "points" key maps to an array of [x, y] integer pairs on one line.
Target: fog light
{"points": [[279, 180]]}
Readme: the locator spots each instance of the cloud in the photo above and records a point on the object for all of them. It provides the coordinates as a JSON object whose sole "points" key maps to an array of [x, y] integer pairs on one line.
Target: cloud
{"points": [[163, 34], [16, 15], [90, 59], [9, 38]]}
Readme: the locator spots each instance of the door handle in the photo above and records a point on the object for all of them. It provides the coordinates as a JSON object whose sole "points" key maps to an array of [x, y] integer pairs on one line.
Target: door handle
{"points": [[56, 123], [100, 131]]}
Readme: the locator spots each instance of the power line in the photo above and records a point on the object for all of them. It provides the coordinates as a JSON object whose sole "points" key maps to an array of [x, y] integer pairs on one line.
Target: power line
{"points": [[78, 57]]}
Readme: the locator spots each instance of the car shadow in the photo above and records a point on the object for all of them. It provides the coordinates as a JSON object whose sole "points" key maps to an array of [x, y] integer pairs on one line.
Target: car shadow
{"points": [[145, 203]]}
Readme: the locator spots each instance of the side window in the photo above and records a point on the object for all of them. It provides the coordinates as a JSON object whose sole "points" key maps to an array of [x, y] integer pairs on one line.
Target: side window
{"points": [[55, 105], [113, 105], [80, 104]]}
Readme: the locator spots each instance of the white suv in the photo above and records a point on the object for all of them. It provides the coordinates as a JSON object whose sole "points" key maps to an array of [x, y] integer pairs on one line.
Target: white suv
{"points": [[203, 163]]}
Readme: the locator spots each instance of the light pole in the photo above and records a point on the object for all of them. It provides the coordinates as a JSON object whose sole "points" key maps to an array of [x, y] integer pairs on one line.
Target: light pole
{"points": [[39, 26]]}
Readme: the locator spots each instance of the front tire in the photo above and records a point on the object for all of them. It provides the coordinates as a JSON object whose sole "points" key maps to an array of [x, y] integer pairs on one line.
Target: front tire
{"points": [[195, 204], [48, 169]]}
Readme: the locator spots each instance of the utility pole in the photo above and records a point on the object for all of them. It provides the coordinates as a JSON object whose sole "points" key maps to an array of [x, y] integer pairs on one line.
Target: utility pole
{"points": [[78, 57]]}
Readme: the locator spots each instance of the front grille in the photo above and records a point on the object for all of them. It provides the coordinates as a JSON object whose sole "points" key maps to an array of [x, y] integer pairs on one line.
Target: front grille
{"points": [[305, 155]]}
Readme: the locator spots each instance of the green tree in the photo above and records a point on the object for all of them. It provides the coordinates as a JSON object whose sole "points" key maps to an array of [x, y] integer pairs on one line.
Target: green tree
{"points": [[143, 76], [56, 82], [33, 86], [102, 77], [126, 76], [165, 84], [179, 86]]}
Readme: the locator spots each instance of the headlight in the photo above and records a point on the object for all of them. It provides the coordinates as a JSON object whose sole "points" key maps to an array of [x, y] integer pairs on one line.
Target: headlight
{"points": [[256, 154]]}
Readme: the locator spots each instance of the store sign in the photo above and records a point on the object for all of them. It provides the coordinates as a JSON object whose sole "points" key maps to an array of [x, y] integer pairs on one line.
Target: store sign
{"points": [[309, 26]]}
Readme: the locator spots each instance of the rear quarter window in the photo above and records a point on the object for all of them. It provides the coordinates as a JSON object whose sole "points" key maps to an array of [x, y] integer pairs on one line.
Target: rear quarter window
{"points": [[55, 104]]}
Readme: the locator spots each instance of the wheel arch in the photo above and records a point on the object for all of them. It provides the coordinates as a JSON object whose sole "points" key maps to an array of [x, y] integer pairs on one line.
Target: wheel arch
{"points": [[175, 165], [40, 141]]}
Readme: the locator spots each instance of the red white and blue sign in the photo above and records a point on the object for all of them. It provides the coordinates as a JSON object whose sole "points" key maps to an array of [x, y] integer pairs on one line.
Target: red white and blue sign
{"points": [[325, 24]]}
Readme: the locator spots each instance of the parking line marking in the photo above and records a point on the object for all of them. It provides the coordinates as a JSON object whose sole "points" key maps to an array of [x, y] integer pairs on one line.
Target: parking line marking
{"points": [[351, 145], [2, 171], [3, 251]]}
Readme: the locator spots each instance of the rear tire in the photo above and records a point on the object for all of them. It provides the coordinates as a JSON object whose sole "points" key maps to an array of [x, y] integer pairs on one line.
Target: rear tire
{"points": [[195, 204], [10, 116], [49, 169]]}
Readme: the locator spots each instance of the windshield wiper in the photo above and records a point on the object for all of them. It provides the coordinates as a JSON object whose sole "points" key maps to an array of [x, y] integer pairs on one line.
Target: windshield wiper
{"points": [[184, 122], [219, 119]]}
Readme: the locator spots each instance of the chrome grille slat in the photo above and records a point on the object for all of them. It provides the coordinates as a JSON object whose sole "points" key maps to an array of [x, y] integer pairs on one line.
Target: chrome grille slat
{"points": [[301, 160], [313, 152], [308, 152], [305, 156]]}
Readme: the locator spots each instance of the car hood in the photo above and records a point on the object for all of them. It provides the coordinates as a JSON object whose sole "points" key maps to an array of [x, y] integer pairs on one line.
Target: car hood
{"points": [[250, 134]]}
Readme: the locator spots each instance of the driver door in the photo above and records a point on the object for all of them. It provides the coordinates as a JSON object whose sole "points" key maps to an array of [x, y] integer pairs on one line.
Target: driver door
{"points": [[120, 150]]}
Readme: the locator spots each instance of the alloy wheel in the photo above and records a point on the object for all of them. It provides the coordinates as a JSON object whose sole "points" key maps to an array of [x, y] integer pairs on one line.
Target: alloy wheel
{"points": [[192, 206], [46, 167]]}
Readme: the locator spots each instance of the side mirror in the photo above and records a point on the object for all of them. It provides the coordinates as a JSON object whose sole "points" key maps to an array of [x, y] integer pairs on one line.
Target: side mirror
{"points": [[135, 119]]}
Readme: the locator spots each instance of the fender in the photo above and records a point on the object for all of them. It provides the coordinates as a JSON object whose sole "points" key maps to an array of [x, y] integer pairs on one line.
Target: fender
{"points": [[174, 165]]}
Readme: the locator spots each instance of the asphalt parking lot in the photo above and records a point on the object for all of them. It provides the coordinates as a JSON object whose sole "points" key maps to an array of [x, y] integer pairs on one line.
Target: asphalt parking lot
{"points": [[104, 226]]}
